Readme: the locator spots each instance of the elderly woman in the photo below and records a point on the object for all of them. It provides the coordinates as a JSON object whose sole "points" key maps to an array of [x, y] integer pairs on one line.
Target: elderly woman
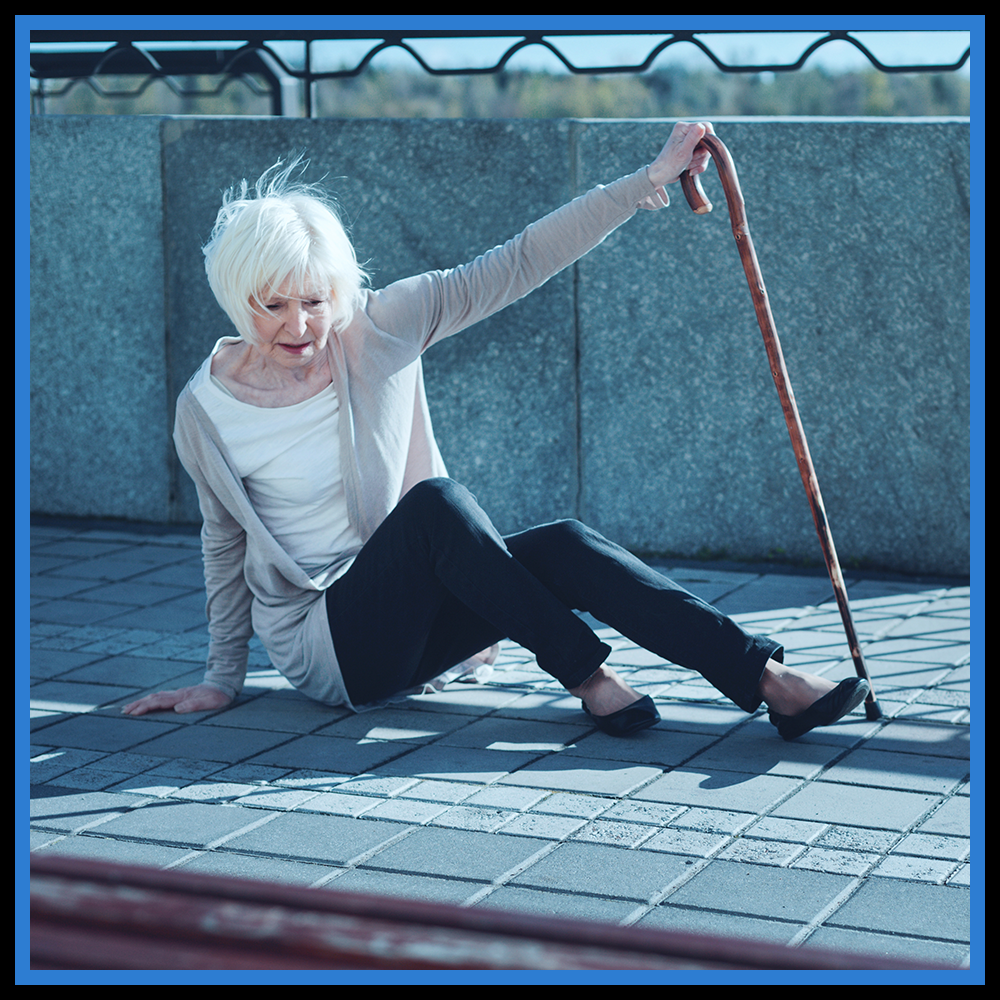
{"points": [[329, 528]]}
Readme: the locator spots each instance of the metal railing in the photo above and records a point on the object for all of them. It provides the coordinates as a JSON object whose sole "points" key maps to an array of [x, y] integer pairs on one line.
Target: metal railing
{"points": [[255, 57]]}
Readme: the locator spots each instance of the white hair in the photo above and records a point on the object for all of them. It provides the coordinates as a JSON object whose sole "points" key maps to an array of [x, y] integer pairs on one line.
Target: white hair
{"points": [[281, 230]]}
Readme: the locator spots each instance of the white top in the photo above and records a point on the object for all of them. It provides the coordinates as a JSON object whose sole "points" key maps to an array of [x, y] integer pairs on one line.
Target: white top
{"points": [[301, 500]]}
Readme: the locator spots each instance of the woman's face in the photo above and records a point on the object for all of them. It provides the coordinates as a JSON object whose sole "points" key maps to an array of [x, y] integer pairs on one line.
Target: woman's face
{"points": [[295, 326]]}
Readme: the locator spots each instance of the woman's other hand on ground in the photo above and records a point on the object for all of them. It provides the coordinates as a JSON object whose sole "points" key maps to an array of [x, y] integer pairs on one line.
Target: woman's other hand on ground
{"points": [[200, 698], [679, 153]]}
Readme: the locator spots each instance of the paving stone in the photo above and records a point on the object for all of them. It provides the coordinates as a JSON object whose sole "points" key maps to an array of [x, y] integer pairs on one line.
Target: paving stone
{"points": [[657, 747], [952, 818], [617, 833], [464, 698], [405, 726], [46, 663], [277, 711], [119, 852], [276, 798], [68, 696], [51, 766], [858, 839], [929, 846], [213, 743], [668, 917], [458, 763], [300, 777], [184, 768], [69, 810], [569, 804], [887, 946], [759, 890], [896, 906], [821, 859], [212, 791], [720, 789], [439, 791], [147, 787], [842, 735], [917, 650], [916, 869], [688, 718], [93, 777], [136, 671], [556, 904], [378, 883], [473, 818], [464, 854], [714, 820], [549, 827], [884, 808], [583, 774], [653, 813], [542, 705], [75, 612], [518, 735], [97, 732], [945, 696], [337, 804], [178, 615], [506, 797], [181, 824], [693, 842], [137, 594], [603, 871], [252, 774], [746, 751], [330, 840], [920, 738], [905, 771], [923, 711], [404, 810], [266, 869], [962, 877], [377, 784], [321, 753], [761, 852], [796, 831]]}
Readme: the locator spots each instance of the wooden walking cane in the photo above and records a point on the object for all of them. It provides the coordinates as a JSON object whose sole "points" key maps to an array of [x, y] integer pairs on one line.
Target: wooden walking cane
{"points": [[741, 232]]}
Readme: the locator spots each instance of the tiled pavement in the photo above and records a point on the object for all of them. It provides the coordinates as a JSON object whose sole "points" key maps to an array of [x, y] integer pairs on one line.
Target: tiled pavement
{"points": [[501, 795]]}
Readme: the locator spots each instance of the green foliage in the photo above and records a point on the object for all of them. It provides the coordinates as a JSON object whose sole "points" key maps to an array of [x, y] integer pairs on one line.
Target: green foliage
{"points": [[667, 93]]}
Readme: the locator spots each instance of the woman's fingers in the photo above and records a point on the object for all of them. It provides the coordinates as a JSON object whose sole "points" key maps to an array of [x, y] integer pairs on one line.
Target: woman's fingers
{"points": [[200, 698], [679, 153]]}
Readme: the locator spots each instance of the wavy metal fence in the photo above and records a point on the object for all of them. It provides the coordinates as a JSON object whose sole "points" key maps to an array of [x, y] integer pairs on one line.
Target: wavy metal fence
{"points": [[62, 60]]}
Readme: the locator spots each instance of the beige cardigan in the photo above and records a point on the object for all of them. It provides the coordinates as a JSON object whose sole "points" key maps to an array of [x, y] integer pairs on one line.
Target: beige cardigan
{"points": [[386, 440]]}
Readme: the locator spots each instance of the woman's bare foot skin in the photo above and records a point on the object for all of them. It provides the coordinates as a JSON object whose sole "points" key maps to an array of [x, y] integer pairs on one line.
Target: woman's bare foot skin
{"points": [[788, 691], [605, 693]]}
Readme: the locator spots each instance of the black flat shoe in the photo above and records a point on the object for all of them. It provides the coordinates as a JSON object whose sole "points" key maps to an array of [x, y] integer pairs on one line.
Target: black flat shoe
{"points": [[832, 706], [633, 718]]}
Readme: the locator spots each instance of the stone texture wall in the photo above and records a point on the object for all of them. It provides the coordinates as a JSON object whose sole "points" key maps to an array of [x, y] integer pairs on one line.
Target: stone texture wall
{"points": [[632, 391]]}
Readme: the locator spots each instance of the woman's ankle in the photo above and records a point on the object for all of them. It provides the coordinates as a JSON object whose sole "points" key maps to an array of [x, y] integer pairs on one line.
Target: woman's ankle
{"points": [[788, 691]]}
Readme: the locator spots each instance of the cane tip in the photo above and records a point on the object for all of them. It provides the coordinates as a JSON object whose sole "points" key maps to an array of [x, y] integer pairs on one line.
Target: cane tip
{"points": [[872, 711]]}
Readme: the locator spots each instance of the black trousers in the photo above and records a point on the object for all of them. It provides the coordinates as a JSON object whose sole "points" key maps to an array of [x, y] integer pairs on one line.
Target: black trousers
{"points": [[436, 584]]}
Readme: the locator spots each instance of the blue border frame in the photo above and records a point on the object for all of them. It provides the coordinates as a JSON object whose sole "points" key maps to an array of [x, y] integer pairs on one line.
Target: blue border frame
{"points": [[23, 24]]}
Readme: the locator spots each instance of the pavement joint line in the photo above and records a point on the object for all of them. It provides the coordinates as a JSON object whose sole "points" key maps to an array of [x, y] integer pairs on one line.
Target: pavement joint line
{"points": [[261, 821], [184, 859], [518, 869], [372, 852]]}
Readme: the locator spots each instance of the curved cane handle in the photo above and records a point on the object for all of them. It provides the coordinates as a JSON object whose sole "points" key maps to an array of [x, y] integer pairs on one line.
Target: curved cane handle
{"points": [[695, 194]]}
